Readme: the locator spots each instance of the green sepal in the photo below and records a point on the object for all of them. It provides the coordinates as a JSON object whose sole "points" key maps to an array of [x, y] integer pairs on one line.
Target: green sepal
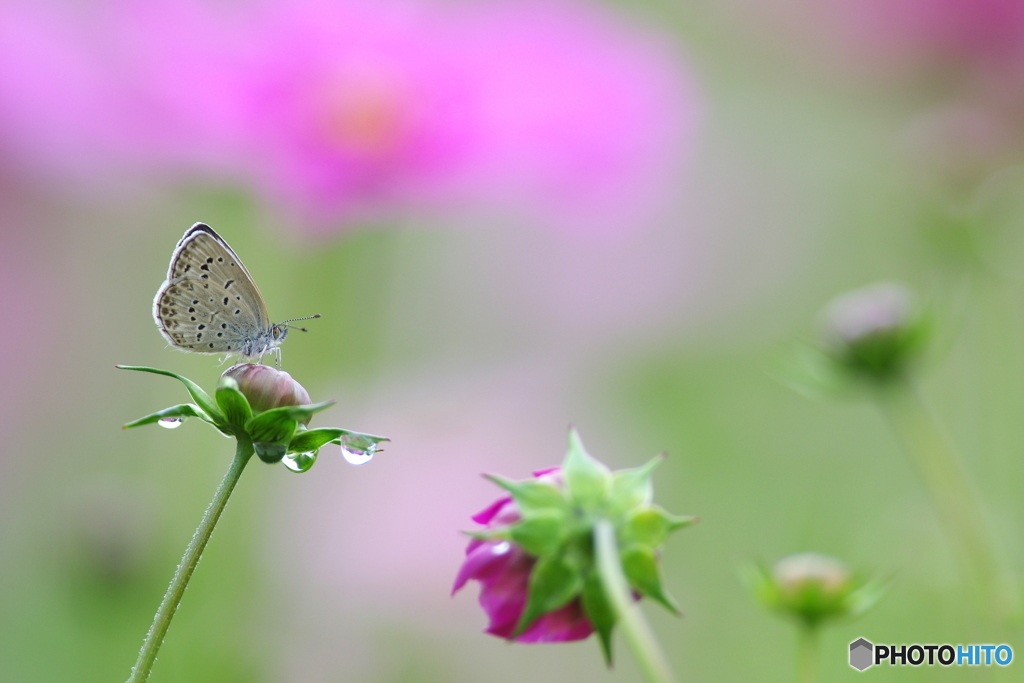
{"points": [[759, 582], [233, 403], [541, 533], [306, 440], [586, 479], [180, 410], [301, 414], [866, 596], [811, 373], [272, 427], [651, 525], [207, 404], [632, 487], [600, 613], [554, 582], [531, 496], [270, 452], [641, 568]]}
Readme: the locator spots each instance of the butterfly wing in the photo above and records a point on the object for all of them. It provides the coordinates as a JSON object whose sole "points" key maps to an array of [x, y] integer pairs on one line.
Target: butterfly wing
{"points": [[209, 303]]}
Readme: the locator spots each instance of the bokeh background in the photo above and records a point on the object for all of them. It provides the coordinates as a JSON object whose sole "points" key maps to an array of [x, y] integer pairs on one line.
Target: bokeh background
{"points": [[512, 215]]}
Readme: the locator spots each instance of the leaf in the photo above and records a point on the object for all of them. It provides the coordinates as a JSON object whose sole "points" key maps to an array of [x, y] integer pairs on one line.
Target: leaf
{"points": [[273, 426], [649, 526], [600, 613], [304, 413], [632, 487], [180, 410], [554, 582], [587, 480], [540, 534], [233, 402], [532, 496], [202, 398], [306, 440], [641, 568]]}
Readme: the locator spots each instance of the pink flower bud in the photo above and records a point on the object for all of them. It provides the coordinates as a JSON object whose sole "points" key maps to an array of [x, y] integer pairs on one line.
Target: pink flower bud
{"points": [[265, 387]]}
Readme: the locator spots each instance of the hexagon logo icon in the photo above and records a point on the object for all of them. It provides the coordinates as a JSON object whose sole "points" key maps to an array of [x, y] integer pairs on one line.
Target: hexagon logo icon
{"points": [[861, 651]]}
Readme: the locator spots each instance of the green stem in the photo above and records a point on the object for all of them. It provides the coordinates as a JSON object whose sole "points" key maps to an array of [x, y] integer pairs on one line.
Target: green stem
{"points": [[947, 485], [636, 630], [164, 614], [807, 655]]}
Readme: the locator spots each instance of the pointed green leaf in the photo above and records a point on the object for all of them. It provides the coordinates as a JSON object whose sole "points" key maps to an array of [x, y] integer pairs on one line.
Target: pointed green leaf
{"points": [[201, 398], [812, 374], [273, 426], [759, 582], [587, 480], [641, 568], [649, 526], [554, 582], [632, 487], [863, 598], [299, 413], [311, 439], [182, 410], [531, 495], [233, 403], [600, 613], [541, 533]]}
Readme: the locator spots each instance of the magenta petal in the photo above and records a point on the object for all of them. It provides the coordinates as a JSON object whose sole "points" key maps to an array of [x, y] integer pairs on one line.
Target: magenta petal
{"points": [[562, 625], [483, 563], [487, 514]]}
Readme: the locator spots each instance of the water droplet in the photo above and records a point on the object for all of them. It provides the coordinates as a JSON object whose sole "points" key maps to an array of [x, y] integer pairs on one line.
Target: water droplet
{"points": [[501, 548], [299, 462], [358, 449], [170, 422]]}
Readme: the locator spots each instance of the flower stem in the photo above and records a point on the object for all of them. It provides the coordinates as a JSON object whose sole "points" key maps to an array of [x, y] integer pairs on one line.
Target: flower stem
{"points": [[164, 614], [636, 630], [807, 656], [947, 485]]}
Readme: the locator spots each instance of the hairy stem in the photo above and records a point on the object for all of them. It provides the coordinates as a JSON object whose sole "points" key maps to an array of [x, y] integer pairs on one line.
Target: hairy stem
{"points": [[637, 632], [807, 655], [164, 614], [955, 501]]}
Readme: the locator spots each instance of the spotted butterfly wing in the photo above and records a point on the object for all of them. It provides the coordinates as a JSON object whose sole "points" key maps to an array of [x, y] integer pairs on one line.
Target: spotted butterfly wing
{"points": [[210, 304]]}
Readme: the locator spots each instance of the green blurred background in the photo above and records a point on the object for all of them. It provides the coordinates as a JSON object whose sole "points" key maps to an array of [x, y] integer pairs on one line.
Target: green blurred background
{"points": [[474, 346]]}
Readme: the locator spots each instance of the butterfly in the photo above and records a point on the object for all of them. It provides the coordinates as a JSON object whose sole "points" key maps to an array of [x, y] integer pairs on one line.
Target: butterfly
{"points": [[210, 304]]}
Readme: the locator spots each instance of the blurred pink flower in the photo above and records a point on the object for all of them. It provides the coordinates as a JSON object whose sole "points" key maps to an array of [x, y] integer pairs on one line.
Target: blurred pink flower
{"points": [[918, 34], [503, 571], [341, 111]]}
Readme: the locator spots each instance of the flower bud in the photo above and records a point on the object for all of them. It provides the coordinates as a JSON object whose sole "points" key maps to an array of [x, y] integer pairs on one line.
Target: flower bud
{"points": [[266, 387], [813, 588], [534, 560], [810, 572], [873, 331]]}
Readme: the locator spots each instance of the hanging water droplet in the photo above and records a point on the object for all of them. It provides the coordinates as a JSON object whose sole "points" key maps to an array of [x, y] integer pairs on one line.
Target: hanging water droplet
{"points": [[170, 422], [299, 462], [358, 449]]}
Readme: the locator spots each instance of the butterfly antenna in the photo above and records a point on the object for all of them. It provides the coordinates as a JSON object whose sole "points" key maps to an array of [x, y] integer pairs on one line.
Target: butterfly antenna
{"points": [[293, 320]]}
